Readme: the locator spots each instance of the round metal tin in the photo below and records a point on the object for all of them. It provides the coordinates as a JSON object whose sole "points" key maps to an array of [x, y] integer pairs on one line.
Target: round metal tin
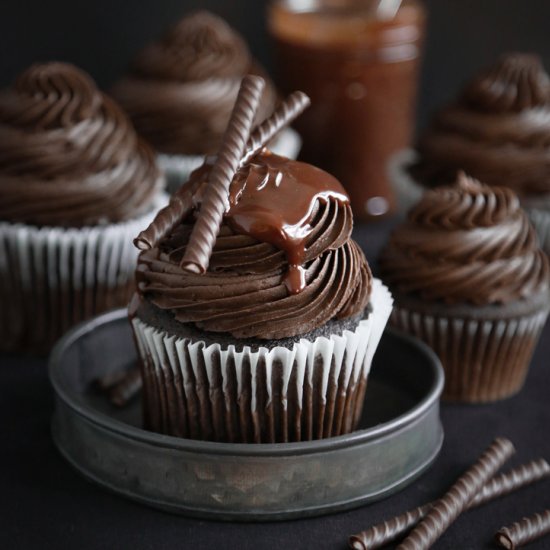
{"points": [[399, 436]]}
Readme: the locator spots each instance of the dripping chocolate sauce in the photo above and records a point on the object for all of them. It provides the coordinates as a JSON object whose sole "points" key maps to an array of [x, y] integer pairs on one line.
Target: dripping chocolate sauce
{"points": [[272, 199]]}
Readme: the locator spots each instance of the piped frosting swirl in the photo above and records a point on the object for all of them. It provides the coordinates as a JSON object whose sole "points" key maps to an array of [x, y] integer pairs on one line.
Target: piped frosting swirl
{"points": [[466, 244], [181, 88], [68, 155], [198, 47], [498, 130], [466, 205], [245, 291], [517, 82]]}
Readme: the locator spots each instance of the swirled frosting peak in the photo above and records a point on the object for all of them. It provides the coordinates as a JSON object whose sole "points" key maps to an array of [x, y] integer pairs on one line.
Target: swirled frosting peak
{"points": [[198, 47], [467, 243], [283, 215], [182, 87], [498, 130], [55, 95], [517, 82], [466, 205], [68, 154]]}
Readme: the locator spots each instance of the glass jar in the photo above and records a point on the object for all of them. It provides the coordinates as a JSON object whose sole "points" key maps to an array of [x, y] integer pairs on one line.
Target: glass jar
{"points": [[358, 60]]}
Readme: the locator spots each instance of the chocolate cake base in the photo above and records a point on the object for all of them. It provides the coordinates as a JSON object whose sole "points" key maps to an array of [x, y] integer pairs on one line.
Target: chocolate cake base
{"points": [[211, 386], [485, 351], [164, 320]]}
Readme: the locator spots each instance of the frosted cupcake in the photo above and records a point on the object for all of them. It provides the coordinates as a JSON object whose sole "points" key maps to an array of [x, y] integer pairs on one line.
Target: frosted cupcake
{"points": [[246, 352], [181, 89], [75, 185], [499, 132], [469, 279], [256, 315]]}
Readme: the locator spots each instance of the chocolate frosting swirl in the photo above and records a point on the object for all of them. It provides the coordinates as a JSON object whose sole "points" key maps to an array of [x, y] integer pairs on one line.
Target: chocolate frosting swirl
{"points": [[517, 82], [498, 130], [68, 155], [245, 292], [198, 47], [466, 244], [181, 89]]}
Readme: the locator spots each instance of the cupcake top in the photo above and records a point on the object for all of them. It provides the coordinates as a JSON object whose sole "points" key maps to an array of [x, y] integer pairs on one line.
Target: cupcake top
{"points": [[69, 156], [467, 243], [181, 89], [498, 130], [283, 263]]}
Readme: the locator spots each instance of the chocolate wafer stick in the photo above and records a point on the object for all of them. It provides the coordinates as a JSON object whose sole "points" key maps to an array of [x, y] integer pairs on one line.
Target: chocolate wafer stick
{"points": [[508, 482], [126, 389], [120, 387], [524, 531], [293, 106], [106, 382], [181, 204], [215, 202], [450, 506], [390, 530], [169, 217], [501, 485]]}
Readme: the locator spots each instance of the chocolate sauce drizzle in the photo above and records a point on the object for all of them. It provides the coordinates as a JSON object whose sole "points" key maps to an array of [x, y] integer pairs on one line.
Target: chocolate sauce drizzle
{"points": [[273, 201]]}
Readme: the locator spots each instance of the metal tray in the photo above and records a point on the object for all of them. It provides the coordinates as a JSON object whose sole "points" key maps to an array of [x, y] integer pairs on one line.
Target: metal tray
{"points": [[400, 435]]}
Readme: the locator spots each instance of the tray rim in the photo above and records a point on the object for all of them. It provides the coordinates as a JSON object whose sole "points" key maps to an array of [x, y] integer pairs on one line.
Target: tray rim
{"points": [[236, 449], [254, 516]]}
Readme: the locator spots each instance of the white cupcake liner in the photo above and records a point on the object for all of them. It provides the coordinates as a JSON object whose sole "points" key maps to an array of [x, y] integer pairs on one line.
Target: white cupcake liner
{"points": [[541, 222], [287, 143], [313, 390], [405, 188], [54, 277], [177, 168], [483, 360]]}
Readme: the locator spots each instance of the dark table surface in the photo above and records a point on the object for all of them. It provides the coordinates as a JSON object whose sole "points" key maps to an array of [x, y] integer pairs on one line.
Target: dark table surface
{"points": [[45, 504]]}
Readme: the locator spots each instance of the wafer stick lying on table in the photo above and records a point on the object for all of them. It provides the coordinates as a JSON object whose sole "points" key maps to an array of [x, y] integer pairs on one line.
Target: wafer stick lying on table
{"points": [[524, 531], [501, 485], [457, 498]]}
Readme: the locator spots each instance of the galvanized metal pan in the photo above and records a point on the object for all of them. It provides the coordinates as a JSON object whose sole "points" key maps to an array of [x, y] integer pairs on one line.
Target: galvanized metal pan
{"points": [[399, 437]]}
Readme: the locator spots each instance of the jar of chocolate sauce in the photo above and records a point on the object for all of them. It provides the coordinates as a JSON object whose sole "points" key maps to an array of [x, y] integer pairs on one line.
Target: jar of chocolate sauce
{"points": [[358, 60]]}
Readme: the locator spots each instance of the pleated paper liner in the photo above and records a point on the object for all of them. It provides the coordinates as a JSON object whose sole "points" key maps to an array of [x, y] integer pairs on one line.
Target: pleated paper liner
{"points": [[541, 222], [177, 168], [407, 191], [313, 390], [483, 360], [52, 277]]}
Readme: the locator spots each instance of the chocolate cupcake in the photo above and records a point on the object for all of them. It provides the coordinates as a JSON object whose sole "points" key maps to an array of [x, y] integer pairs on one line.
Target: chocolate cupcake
{"points": [[498, 131], [76, 184], [470, 280], [180, 91], [274, 342]]}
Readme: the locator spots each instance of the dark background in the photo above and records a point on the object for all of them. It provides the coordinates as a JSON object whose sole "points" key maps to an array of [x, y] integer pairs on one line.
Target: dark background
{"points": [[102, 35]]}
